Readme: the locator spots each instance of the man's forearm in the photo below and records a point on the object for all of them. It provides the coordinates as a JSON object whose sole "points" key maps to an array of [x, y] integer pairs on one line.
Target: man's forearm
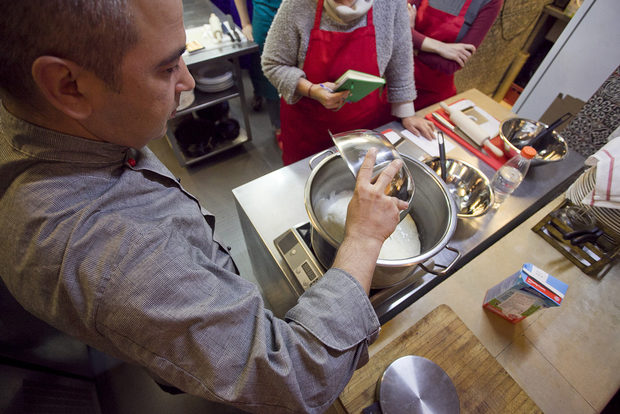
{"points": [[359, 258]]}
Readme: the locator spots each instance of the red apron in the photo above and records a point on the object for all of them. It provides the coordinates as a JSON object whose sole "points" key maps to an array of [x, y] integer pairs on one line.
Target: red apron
{"points": [[329, 55], [432, 85]]}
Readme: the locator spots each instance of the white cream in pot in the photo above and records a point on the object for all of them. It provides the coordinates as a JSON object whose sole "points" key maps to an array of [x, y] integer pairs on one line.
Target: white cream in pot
{"points": [[403, 243]]}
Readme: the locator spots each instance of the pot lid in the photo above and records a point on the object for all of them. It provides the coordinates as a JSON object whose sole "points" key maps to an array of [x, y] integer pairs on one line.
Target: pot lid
{"points": [[413, 384]]}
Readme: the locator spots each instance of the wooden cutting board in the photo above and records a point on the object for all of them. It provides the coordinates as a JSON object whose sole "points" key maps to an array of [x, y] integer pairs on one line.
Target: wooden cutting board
{"points": [[482, 384]]}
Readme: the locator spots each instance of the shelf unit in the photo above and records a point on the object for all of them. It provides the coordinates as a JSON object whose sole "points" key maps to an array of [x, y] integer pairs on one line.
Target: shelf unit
{"points": [[204, 100], [229, 54]]}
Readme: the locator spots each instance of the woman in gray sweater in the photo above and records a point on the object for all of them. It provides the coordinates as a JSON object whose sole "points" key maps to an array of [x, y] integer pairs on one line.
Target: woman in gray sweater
{"points": [[312, 42]]}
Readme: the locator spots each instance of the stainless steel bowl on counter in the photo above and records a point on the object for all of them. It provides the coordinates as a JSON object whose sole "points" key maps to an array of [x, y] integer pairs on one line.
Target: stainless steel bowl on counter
{"points": [[516, 133], [432, 208], [469, 187]]}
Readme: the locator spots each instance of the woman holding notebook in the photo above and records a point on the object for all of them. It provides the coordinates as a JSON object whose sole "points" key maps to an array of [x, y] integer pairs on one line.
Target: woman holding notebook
{"points": [[445, 35], [311, 43]]}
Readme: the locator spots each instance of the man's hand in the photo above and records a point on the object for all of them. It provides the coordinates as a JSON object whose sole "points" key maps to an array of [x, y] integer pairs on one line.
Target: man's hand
{"points": [[372, 214], [419, 126], [371, 217]]}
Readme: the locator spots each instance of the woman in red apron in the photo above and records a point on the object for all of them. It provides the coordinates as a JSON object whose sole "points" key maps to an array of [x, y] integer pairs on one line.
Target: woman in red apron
{"points": [[445, 35], [305, 123]]}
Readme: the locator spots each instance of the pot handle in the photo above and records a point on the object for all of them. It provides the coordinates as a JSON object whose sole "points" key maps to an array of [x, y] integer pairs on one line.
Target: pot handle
{"points": [[320, 157], [447, 268]]}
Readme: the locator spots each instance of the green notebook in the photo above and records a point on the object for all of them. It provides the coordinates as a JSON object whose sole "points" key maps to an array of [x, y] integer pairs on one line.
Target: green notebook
{"points": [[359, 83]]}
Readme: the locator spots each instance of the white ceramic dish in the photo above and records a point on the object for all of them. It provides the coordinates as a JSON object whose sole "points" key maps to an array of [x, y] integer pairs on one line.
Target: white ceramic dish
{"points": [[215, 88], [210, 75], [187, 98]]}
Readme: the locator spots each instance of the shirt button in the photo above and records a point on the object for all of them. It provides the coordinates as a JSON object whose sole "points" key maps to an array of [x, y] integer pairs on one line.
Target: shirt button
{"points": [[131, 162]]}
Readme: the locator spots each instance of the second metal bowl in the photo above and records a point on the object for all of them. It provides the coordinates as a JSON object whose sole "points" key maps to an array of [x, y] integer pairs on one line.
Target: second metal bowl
{"points": [[516, 133], [353, 146], [469, 187]]}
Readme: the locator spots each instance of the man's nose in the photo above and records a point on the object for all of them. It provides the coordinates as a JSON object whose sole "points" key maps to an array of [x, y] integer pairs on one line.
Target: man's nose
{"points": [[186, 81]]}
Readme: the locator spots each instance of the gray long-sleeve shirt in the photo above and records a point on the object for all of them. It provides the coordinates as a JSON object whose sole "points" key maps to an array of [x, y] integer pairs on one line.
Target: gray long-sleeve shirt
{"points": [[287, 43], [121, 257]]}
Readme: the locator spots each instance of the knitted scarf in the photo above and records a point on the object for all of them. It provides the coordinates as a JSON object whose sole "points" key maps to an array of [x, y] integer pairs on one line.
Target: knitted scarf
{"points": [[347, 14]]}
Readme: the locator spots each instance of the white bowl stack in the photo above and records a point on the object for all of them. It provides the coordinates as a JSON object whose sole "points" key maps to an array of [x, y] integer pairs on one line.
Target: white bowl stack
{"points": [[212, 79]]}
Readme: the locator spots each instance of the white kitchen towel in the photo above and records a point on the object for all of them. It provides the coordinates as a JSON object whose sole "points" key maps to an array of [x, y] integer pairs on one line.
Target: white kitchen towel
{"points": [[606, 192]]}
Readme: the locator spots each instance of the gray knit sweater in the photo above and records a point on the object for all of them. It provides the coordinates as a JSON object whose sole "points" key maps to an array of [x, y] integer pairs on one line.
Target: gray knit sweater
{"points": [[288, 37]]}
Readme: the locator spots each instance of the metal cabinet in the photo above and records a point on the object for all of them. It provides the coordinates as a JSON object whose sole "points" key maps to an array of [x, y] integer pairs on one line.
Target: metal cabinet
{"points": [[196, 14]]}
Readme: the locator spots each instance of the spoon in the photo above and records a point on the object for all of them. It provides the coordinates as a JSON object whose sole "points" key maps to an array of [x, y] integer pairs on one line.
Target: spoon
{"points": [[544, 133], [442, 154]]}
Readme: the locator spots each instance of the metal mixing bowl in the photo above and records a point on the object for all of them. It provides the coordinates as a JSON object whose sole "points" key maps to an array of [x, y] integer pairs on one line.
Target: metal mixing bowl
{"points": [[353, 146], [516, 133], [469, 187]]}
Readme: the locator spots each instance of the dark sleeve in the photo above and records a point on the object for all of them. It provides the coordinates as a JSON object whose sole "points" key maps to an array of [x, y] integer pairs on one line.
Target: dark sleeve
{"points": [[474, 36]]}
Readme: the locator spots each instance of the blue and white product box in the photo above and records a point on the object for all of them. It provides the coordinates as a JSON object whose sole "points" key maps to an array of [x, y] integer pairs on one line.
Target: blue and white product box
{"points": [[525, 292]]}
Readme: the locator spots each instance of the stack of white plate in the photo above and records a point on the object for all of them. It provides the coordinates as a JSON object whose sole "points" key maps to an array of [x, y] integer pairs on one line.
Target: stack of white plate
{"points": [[186, 99], [583, 186], [213, 79]]}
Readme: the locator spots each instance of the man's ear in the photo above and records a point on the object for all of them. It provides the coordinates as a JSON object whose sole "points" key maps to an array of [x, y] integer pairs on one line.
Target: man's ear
{"points": [[62, 82]]}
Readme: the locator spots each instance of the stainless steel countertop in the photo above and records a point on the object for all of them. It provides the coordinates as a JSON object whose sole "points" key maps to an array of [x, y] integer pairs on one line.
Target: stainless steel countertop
{"points": [[195, 14], [274, 203]]}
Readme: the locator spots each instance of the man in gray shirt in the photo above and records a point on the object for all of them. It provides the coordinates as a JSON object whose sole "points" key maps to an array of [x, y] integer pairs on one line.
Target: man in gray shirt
{"points": [[101, 242]]}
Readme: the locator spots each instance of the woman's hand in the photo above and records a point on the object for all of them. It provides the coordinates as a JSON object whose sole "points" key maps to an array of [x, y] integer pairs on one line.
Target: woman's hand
{"points": [[458, 52], [247, 31], [324, 94], [411, 9], [419, 126]]}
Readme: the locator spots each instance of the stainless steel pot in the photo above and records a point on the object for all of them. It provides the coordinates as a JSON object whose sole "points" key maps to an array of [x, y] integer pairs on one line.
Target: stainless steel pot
{"points": [[432, 209]]}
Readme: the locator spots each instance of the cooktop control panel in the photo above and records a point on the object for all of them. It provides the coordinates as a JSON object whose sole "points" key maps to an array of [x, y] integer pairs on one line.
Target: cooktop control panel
{"points": [[299, 258]]}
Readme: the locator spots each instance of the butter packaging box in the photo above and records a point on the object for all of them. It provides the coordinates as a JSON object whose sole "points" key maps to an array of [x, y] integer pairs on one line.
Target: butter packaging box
{"points": [[525, 292]]}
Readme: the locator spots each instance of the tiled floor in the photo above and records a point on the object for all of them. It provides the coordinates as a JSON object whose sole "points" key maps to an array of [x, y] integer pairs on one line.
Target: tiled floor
{"points": [[128, 389]]}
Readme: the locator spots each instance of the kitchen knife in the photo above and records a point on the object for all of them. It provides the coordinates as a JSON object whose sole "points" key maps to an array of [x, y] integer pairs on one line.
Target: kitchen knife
{"points": [[227, 31], [238, 33], [443, 121], [230, 31]]}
